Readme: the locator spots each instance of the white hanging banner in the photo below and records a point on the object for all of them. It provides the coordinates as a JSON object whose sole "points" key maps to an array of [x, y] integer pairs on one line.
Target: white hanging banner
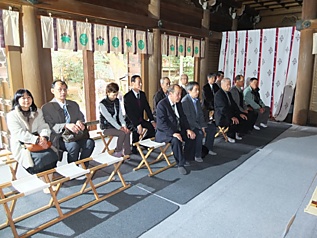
{"points": [[230, 56], [150, 43], [181, 46], [47, 32], [267, 65], [101, 38], [65, 34], [196, 48], [128, 40], [164, 44], [11, 27], [115, 39], [222, 56], [315, 43], [293, 64], [240, 53], [202, 49], [281, 65], [189, 47], [253, 51], [172, 45], [141, 42], [83, 36]]}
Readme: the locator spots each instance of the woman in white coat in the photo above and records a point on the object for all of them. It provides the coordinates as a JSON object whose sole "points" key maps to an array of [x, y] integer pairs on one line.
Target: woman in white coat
{"points": [[27, 126]]}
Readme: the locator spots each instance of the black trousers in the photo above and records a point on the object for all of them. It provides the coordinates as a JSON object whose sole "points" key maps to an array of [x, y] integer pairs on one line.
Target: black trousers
{"points": [[150, 133]]}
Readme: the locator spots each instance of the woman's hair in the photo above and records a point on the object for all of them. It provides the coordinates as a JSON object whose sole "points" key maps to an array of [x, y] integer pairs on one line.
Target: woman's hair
{"points": [[20, 93], [112, 88]]}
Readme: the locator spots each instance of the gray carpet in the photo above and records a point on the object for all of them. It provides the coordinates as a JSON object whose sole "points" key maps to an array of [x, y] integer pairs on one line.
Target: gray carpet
{"points": [[258, 199], [150, 200]]}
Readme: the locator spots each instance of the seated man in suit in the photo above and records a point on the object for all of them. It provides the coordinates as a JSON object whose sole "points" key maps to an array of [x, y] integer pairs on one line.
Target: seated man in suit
{"points": [[183, 83], [172, 127], [195, 116], [227, 112], [208, 96], [161, 93], [135, 103], [237, 95], [252, 99], [59, 114]]}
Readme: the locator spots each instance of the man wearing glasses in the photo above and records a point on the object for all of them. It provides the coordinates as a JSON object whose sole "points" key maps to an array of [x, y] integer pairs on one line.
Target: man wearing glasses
{"points": [[61, 114]]}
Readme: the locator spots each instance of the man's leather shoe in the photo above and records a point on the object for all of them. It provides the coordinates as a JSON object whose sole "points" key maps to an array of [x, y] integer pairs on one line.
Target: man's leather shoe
{"points": [[182, 170]]}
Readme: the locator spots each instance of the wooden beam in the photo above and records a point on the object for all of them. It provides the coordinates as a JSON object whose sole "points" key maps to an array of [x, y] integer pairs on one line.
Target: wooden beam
{"points": [[282, 11], [306, 24]]}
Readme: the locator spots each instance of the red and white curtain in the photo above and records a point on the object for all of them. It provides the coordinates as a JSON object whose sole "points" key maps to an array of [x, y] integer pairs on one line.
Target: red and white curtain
{"points": [[271, 55]]}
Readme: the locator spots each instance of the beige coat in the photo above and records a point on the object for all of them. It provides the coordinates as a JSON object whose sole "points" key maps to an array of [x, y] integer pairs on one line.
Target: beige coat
{"points": [[21, 131]]}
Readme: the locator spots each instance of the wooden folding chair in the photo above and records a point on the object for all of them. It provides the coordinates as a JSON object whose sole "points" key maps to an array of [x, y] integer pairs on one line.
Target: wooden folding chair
{"points": [[151, 145], [68, 172], [107, 142], [223, 131]]}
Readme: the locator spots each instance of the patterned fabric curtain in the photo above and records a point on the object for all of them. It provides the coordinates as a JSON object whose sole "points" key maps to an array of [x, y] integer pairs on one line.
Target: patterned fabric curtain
{"points": [[202, 49], [150, 43], [141, 42], [84, 37], [315, 43], [181, 46], [65, 34], [172, 46], [115, 39], [189, 47], [47, 32], [11, 27], [100, 38], [129, 40], [271, 55], [164, 44], [196, 48]]}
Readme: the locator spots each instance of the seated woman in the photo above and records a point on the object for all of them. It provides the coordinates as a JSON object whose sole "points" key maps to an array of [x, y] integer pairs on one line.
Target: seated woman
{"points": [[112, 121], [27, 126]]}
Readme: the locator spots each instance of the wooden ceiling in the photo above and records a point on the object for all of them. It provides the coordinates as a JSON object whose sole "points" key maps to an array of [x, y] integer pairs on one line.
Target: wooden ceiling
{"points": [[178, 16]]}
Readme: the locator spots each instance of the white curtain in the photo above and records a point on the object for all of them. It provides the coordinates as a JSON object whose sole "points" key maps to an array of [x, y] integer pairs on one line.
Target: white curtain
{"points": [[202, 50], [101, 38], [164, 44], [128, 40], [115, 39], [189, 47], [181, 46], [11, 27], [47, 32], [271, 55], [83, 36], [267, 65], [65, 34], [150, 43], [172, 45], [240, 54], [196, 48]]}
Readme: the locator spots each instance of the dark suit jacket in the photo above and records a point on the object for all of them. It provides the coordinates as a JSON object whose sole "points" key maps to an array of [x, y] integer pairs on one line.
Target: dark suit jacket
{"points": [[166, 122], [184, 92], [223, 110], [195, 119], [55, 118], [132, 109], [158, 96], [208, 97]]}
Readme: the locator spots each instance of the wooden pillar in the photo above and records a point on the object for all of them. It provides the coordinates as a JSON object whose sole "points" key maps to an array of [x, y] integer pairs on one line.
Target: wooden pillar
{"points": [[46, 74], [234, 26], [305, 66], [14, 69], [154, 60], [204, 67], [89, 85], [30, 56]]}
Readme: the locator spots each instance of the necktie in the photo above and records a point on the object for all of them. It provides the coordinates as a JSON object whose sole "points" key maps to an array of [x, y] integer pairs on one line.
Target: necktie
{"points": [[195, 104], [66, 114], [177, 118], [138, 99]]}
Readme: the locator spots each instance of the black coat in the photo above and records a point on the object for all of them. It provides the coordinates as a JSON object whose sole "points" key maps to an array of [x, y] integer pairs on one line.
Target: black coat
{"points": [[224, 110]]}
